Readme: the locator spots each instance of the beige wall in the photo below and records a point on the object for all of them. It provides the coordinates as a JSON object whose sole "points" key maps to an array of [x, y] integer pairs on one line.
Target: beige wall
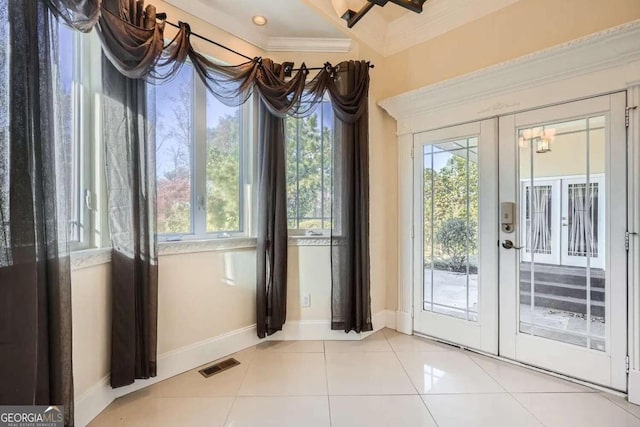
{"points": [[91, 311], [201, 296], [383, 190], [524, 27]]}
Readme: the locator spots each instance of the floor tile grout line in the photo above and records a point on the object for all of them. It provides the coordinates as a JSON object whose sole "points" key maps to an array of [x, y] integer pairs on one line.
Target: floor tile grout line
{"points": [[326, 378], [619, 405], [233, 403], [526, 409], [244, 376], [406, 373], [487, 372], [411, 381], [507, 391]]}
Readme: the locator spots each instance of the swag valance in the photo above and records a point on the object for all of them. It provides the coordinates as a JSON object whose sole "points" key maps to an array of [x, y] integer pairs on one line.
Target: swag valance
{"points": [[135, 54], [133, 40]]}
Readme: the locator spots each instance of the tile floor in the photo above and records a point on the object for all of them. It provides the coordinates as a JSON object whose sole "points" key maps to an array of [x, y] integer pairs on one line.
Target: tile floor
{"points": [[387, 379]]}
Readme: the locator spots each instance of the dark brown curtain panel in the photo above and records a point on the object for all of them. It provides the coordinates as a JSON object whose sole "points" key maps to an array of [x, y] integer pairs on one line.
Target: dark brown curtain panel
{"points": [[130, 173], [271, 292], [132, 40], [350, 294], [35, 282], [79, 14]]}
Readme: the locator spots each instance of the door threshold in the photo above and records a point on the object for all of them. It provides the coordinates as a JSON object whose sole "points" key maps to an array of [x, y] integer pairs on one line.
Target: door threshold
{"points": [[524, 365]]}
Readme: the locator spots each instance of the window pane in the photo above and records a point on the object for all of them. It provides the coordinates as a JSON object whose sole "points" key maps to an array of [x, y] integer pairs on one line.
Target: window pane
{"points": [[68, 138], [174, 148], [450, 186], [309, 154], [562, 268], [224, 167]]}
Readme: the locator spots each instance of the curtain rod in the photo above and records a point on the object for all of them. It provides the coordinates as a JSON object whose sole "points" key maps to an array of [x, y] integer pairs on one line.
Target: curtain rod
{"points": [[163, 16]]}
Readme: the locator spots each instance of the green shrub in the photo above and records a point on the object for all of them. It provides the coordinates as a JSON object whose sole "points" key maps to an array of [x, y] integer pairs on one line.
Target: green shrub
{"points": [[455, 237]]}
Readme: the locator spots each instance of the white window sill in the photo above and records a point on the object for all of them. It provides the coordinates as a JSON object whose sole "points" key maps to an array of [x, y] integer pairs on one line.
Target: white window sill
{"points": [[309, 241], [89, 258], [209, 245], [92, 257]]}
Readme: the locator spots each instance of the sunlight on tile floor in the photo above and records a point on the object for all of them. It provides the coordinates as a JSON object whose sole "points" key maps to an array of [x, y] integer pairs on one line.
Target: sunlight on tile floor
{"points": [[387, 379]]}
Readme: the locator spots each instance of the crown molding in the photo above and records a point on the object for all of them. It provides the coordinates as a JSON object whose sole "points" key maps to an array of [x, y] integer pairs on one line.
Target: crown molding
{"points": [[371, 30], [615, 47], [223, 21], [306, 44], [233, 26]]}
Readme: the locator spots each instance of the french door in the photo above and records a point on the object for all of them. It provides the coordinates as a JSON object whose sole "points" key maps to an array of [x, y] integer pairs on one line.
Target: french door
{"points": [[519, 230], [563, 263], [455, 227]]}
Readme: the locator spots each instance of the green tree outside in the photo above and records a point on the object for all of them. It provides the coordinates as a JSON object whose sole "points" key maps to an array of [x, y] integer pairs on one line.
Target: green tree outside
{"points": [[308, 170], [309, 160], [448, 231]]}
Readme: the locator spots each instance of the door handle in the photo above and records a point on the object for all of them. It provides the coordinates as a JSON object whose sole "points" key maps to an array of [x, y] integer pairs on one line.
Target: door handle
{"points": [[508, 244]]}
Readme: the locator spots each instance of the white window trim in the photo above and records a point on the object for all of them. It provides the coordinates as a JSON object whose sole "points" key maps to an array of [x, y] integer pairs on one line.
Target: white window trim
{"points": [[86, 125], [93, 257], [198, 173]]}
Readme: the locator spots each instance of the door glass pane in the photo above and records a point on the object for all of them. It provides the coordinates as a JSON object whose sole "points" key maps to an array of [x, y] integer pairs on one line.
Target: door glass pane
{"points": [[562, 276], [450, 183]]}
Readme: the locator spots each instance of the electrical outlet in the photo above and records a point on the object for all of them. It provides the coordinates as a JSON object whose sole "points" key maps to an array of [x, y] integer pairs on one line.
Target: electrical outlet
{"points": [[306, 300]]}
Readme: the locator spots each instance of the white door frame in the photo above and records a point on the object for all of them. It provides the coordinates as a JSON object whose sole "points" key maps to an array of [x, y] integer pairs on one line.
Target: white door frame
{"points": [[604, 368], [600, 63], [483, 334]]}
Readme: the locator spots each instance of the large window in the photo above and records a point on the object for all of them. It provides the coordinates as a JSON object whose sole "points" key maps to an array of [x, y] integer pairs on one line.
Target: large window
{"points": [[199, 167], [174, 153], [75, 116], [309, 153]]}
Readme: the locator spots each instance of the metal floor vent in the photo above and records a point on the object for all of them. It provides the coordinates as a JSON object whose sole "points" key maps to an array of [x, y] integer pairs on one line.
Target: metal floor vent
{"points": [[219, 367]]}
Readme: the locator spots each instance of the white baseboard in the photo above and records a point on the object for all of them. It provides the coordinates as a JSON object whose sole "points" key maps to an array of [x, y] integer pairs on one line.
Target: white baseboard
{"points": [[404, 322], [93, 401], [320, 330], [633, 393], [390, 321], [100, 395]]}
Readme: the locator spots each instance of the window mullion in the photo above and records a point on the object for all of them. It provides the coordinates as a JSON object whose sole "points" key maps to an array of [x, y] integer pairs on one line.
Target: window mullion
{"points": [[199, 157]]}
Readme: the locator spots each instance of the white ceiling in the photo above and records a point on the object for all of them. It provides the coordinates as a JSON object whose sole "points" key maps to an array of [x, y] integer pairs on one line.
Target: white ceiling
{"points": [[289, 22], [314, 25]]}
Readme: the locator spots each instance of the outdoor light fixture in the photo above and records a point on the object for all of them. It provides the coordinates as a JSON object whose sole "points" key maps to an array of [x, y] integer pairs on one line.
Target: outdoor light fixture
{"points": [[352, 17], [540, 136]]}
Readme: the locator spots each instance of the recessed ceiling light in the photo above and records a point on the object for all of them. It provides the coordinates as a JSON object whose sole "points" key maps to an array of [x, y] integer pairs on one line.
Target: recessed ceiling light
{"points": [[259, 20]]}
